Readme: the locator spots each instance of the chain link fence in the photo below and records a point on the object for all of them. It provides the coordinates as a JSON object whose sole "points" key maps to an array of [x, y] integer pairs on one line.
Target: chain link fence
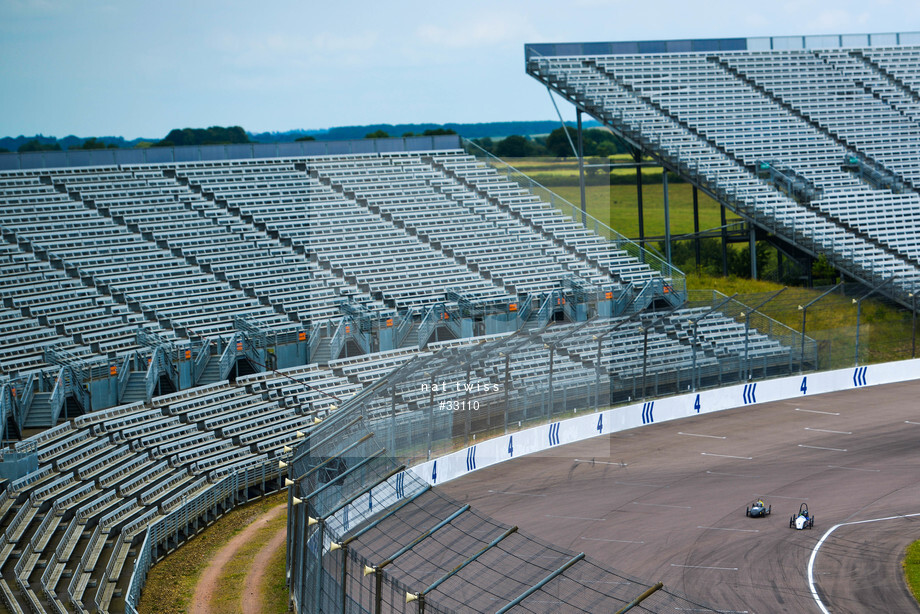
{"points": [[369, 536], [366, 536]]}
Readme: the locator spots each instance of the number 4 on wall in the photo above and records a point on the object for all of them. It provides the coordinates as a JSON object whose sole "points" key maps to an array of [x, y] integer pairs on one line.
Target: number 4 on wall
{"points": [[804, 386]]}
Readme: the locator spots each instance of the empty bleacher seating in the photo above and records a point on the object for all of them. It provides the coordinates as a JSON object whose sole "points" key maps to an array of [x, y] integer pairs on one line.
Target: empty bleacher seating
{"points": [[719, 117]]}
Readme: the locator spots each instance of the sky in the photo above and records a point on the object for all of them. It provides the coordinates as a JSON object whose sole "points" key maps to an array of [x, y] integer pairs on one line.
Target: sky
{"points": [[139, 69]]}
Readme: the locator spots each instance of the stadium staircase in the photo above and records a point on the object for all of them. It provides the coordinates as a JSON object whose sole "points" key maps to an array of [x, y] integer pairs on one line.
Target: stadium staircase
{"points": [[136, 388], [211, 373], [41, 411]]}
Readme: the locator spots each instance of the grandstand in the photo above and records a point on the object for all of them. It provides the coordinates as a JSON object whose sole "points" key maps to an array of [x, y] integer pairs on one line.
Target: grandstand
{"points": [[179, 321], [144, 287], [813, 140], [108, 267]]}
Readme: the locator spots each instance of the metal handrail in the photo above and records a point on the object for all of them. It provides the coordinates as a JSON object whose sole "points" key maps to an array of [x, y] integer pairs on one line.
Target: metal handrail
{"points": [[201, 359], [426, 327], [405, 325], [59, 391], [545, 313], [337, 341], [525, 308], [361, 338], [25, 400], [153, 374], [228, 357], [123, 374], [313, 343]]}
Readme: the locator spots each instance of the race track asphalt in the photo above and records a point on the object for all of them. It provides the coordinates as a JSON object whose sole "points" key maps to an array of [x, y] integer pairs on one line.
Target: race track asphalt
{"points": [[666, 502]]}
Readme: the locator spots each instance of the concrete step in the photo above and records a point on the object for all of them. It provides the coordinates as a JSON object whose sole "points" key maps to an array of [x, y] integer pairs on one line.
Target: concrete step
{"points": [[40, 412]]}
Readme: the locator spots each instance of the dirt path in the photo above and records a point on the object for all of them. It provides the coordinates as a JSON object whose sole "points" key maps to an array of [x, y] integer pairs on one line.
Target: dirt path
{"points": [[207, 584], [252, 590]]}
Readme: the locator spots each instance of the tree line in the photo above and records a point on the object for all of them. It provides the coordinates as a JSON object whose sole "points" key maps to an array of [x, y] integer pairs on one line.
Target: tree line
{"points": [[595, 143], [383, 134]]}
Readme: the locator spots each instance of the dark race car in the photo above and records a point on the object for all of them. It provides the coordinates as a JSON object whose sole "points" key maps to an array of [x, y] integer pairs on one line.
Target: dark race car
{"points": [[758, 509], [802, 520]]}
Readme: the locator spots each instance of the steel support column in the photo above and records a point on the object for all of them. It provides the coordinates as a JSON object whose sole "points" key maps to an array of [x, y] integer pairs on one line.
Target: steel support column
{"points": [[696, 228], [581, 170], [667, 216]]}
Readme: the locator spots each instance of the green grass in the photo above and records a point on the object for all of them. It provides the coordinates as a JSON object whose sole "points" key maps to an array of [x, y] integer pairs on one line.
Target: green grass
{"points": [[884, 331], [275, 595], [912, 569], [615, 204], [171, 582]]}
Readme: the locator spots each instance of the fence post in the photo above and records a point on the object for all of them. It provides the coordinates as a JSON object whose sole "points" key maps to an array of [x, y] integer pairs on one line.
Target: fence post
{"points": [[319, 567], [552, 351], [343, 581], [645, 358], [469, 420], [506, 386], [392, 436], [430, 415], [378, 591]]}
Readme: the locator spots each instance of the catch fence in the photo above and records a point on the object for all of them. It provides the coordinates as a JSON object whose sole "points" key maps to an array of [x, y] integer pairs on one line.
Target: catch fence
{"points": [[367, 535]]}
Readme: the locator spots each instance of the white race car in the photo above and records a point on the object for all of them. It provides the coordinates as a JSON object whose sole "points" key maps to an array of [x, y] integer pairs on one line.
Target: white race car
{"points": [[802, 520]]}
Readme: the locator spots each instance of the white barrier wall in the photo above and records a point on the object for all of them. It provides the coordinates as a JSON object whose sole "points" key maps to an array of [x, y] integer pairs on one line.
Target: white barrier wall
{"points": [[537, 439]]}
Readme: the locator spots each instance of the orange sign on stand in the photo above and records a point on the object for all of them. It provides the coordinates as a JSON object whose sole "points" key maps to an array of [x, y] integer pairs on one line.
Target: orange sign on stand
{"points": [[301, 336]]}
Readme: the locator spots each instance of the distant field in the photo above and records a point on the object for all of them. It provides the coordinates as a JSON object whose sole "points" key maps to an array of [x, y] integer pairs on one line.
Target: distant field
{"points": [[616, 204]]}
